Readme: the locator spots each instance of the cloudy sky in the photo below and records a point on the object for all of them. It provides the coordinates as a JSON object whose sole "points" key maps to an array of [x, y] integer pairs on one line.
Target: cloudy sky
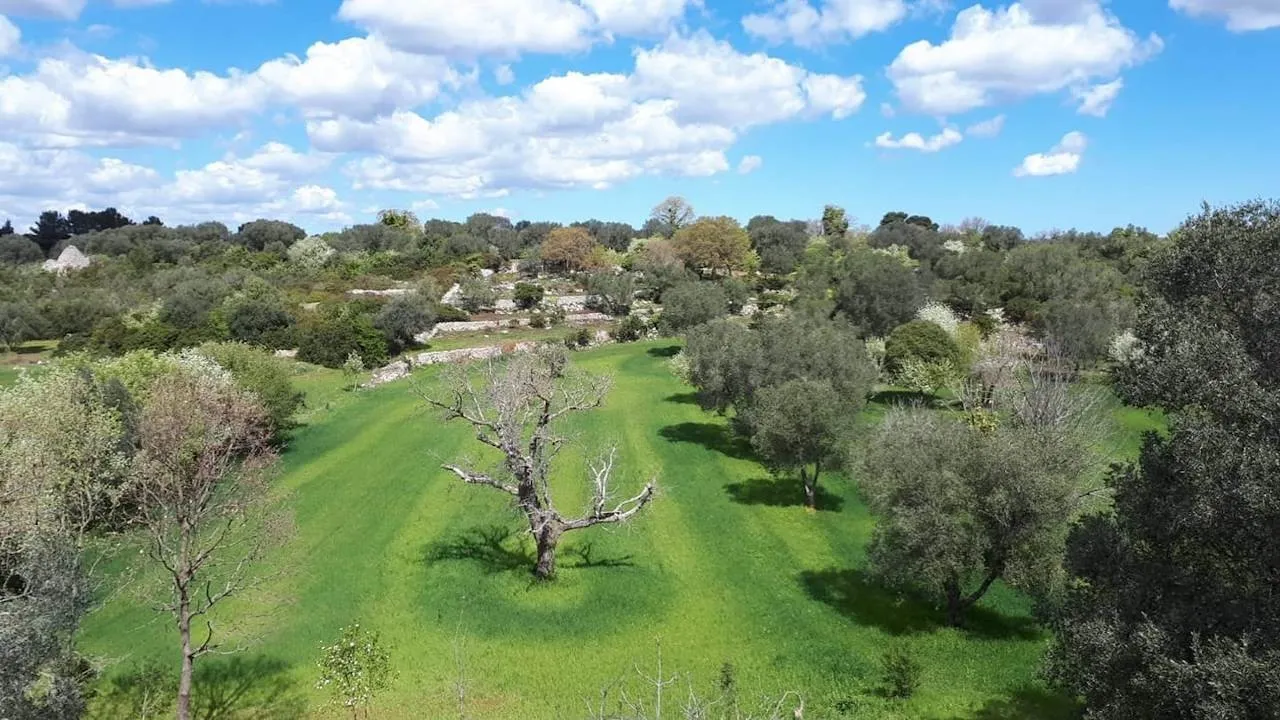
{"points": [[1041, 113]]}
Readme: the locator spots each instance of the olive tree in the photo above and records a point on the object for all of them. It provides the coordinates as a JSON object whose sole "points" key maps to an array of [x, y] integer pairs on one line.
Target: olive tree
{"points": [[199, 479], [801, 425], [960, 506], [515, 406]]}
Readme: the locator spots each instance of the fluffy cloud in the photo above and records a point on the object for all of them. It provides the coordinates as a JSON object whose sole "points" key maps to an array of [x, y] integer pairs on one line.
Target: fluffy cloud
{"points": [[1062, 159], [799, 22], [749, 164], [638, 17], [510, 27], [475, 27], [357, 76], [1241, 15], [281, 159], [986, 128], [686, 103], [93, 100], [10, 37], [56, 9], [67, 174], [85, 99], [916, 141], [1096, 100], [1015, 52]]}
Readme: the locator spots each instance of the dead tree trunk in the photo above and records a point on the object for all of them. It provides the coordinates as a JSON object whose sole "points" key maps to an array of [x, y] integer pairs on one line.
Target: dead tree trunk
{"points": [[514, 411]]}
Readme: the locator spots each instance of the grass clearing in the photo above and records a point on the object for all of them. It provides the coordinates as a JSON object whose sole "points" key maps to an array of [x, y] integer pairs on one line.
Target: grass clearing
{"points": [[725, 567]]}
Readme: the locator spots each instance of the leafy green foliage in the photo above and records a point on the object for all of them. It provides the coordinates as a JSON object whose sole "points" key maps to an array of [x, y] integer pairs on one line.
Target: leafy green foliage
{"points": [[923, 342], [611, 293], [337, 332], [527, 295], [477, 294], [264, 376], [19, 250], [690, 304], [901, 672], [959, 508], [875, 292], [19, 323], [1174, 617], [355, 669], [403, 318]]}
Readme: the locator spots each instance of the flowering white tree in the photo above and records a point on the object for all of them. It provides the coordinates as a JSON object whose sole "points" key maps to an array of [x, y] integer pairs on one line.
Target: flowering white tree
{"points": [[941, 315], [311, 252]]}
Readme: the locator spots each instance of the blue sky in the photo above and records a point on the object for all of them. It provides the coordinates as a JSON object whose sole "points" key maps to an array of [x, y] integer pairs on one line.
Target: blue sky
{"points": [[1043, 114]]}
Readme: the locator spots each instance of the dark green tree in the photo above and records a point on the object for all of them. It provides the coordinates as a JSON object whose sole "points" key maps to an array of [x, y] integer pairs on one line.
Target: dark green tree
{"points": [[689, 304], [876, 292], [1174, 612], [834, 221], [50, 229]]}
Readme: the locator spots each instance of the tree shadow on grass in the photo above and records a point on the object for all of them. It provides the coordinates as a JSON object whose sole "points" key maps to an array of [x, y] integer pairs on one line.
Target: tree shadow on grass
{"points": [[243, 687], [855, 595], [712, 436], [780, 492], [682, 398], [1029, 702], [668, 351], [584, 556], [495, 548], [499, 549]]}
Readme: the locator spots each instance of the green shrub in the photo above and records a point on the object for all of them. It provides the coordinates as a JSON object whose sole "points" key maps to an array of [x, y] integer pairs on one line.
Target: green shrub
{"points": [[338, 331], [527, 295], [631, 329], [901, 672], [262, 374], [921, 341], [579, 338], [690, 304]]}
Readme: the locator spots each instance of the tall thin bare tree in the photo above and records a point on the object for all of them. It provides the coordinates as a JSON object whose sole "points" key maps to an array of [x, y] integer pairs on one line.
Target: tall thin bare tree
{"points": [[200, 483], [514, 405]]}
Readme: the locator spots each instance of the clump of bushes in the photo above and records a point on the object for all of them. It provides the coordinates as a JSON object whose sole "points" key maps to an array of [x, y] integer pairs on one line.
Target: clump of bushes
{"points": [[921, 341], [528, 295], [631, 329], [338, 331], [901, 672]]}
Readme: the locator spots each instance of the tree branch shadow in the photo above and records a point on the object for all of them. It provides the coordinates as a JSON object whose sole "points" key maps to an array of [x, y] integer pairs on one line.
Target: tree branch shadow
{"points": [[668, 351], [712, 436], [781, 492], [242, 687], [495, 548], [854, 594], [498, 549]]}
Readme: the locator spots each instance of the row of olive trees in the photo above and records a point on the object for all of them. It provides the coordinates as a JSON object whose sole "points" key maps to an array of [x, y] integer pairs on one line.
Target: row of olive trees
{"points": [[170, 450]]}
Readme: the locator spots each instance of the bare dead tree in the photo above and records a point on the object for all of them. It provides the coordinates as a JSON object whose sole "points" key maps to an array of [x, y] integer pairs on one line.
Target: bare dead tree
{"points": [[514, 405], [200, 479]]}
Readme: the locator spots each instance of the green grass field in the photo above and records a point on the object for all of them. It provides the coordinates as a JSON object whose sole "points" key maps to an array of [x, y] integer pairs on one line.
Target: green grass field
{"points": [[725, 567]]}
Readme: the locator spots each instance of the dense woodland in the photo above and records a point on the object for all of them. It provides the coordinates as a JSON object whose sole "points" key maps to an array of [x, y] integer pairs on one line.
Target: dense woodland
{"points": [[1156, 578]]}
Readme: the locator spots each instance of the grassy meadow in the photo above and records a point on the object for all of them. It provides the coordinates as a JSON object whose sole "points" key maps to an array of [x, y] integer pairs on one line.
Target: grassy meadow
{"points": [[725, 567]]}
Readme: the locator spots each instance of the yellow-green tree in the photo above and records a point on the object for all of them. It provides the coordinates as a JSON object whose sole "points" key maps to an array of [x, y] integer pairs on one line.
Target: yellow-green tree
{"points": [[714, 244]]}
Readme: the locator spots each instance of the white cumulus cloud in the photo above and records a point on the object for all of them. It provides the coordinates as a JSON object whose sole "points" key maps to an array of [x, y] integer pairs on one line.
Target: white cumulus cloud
{"points": [[1014, 52], [749, 164], [1241, 15], [1062, 159], [799, 22], [916, 141]]}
